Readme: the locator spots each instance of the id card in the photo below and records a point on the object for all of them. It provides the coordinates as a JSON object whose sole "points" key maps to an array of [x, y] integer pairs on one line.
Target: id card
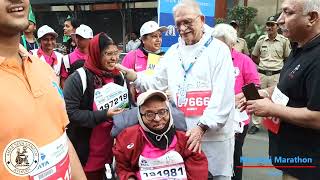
{"points": [[182, 94]]}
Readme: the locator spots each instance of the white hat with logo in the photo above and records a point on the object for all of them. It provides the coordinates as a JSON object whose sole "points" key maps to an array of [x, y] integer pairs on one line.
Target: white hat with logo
{"points": [[44, 30], [150, 27], [84, 31], [143, 97]]}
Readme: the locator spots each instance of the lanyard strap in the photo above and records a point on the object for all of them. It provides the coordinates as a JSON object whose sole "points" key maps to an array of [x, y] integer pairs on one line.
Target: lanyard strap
{"points": [[198, 54], [24, 41]]}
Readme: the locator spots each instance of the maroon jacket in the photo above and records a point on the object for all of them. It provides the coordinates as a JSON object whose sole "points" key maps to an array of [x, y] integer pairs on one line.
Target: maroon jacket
{"points": [[196, 164]]}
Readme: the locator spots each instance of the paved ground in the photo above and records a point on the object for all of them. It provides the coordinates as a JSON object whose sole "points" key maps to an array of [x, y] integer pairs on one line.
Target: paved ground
{"points": [[256, 146]]}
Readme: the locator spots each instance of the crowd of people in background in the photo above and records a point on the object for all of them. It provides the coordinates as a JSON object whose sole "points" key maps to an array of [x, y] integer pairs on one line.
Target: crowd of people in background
{"points": [[74, 99]]}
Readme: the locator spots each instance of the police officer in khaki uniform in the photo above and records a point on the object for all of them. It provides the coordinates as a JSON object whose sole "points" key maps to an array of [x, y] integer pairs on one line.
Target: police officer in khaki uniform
{"points": [[269, 54], [241, 44]]}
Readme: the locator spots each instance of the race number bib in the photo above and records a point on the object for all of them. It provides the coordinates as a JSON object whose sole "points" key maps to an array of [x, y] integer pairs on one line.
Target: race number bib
{"points": [[54, 162], [272, 124], [194, 103], [110, 96], [153, 61], [168, 166]]}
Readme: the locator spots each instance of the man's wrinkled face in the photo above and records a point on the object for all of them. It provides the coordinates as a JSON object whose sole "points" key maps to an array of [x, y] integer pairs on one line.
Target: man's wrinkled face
{"points": [[155, 114], [189, 25], [292, 21], [13, 16]]}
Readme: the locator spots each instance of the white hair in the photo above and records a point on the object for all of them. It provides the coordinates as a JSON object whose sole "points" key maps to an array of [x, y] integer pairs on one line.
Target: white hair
{"points": [[311, 5], [225, 32], [191, 5]]}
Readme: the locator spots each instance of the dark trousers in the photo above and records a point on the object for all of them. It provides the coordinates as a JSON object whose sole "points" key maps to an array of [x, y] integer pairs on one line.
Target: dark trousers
{"points": [[210, 177], [239, 139], [95, 175], [100, 174]]}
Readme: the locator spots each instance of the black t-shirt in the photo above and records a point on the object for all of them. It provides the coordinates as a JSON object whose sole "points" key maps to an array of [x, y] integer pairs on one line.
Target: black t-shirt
{"points": [[300, 81]]}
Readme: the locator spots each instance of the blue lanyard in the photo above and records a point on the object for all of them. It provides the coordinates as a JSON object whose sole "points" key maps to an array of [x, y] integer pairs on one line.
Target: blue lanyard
{"points": [[196, 58]]}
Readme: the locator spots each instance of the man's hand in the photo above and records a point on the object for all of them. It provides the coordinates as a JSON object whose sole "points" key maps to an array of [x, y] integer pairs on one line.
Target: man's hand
{"points": [[194, 139], [77, 172], [112, 112], [261, 107], [241, 101], [129, 74]]}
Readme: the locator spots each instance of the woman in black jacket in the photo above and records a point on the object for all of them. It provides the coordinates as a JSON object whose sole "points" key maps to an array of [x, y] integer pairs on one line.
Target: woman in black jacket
{"points": [[90, 106]]}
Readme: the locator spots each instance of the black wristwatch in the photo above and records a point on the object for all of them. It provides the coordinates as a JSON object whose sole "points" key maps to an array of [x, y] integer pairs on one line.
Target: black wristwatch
{"points": [[202, 126]]}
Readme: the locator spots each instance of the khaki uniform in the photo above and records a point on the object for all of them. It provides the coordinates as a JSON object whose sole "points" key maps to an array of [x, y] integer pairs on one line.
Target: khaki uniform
{"points": [[271, 53], [241, 46]]}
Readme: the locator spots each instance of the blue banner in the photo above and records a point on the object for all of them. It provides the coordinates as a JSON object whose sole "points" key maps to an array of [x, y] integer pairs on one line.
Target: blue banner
{"points": [[166, 19]]}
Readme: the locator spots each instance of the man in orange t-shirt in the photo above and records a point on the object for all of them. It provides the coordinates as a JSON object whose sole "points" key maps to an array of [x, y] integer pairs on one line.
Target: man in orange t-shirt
{"points": [[33, 142]]}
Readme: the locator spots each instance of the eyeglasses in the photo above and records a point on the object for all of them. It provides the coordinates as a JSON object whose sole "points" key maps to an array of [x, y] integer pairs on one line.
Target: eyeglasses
{"points": [[114, 53], [152, 115], [186, 23]]}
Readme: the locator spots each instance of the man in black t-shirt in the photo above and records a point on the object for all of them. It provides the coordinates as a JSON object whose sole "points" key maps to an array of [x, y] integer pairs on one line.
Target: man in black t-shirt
{"points": [[294, 104]]}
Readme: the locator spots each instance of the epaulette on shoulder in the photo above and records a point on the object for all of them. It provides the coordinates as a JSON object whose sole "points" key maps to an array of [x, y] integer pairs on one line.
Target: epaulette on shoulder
{"points": [[283, 37], [241, 39], [262, 37]]}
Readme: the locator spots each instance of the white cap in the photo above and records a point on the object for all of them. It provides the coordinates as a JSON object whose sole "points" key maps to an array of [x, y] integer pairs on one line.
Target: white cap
{"points": [[150, 27], [84, 31], [45, 29], [142, 98], [148, 94]]}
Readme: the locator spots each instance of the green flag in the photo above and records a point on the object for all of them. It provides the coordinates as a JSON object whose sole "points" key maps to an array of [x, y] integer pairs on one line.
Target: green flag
{"points": [[66, 38], [31, 16], [68, 18]]}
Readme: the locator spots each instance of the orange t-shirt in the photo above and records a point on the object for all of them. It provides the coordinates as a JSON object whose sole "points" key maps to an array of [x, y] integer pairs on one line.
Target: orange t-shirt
{"points": [[31, 108]]}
